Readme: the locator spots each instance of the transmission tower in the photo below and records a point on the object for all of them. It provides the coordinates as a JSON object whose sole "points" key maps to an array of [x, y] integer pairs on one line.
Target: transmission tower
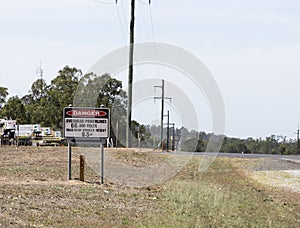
{"points": [[39, 71]]}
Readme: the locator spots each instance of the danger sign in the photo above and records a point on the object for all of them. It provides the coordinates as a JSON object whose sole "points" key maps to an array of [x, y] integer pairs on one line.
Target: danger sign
{"points": [[86, 123], [86, 113]]}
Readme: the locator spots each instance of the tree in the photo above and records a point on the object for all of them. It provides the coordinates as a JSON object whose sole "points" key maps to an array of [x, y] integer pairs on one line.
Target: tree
{"points": [[15, 109], [61, 94], [95, 91], [63, 88], [36, 102], [270, 145], [253, 145], [202, 142], [3, 95], [38, 90]]}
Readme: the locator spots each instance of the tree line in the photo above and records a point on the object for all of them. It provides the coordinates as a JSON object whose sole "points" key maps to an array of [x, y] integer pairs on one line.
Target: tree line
{"points": [[44, 104], [274, 144]]}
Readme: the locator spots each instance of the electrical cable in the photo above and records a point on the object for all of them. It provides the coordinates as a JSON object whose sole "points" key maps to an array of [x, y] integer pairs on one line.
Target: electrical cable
{"points": [[126, 22], [121, 24], [144, 2], [102, 2], [120, 20], [154, 40]]}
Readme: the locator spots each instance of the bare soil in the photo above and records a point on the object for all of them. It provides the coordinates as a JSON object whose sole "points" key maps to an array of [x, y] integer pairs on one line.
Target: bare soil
{"points": [[35, 192]]}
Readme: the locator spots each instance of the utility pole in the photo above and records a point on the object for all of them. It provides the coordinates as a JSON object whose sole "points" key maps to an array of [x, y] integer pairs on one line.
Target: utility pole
{"points": [[173, 137], [130, 76], [298, 142], [117, 133], [130, 73], [168, 130], [162, 87]]}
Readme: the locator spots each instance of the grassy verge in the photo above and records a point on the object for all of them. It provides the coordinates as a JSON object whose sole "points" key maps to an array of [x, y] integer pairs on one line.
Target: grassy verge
{"points": [[222, 197], [34, 192]]}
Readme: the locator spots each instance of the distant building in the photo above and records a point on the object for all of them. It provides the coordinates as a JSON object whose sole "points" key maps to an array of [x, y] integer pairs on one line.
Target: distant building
{"points": [[28, 129]]}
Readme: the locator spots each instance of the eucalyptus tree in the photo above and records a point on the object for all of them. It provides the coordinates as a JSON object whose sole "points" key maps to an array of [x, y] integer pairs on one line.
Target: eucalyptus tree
{"points": [[15, 109], [3, 95], [61, 94]]}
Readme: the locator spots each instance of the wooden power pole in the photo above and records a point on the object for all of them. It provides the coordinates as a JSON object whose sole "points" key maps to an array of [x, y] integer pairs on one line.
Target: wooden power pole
{"points": [[130, 76], [168, 130], [298, 142], [162, 97]]}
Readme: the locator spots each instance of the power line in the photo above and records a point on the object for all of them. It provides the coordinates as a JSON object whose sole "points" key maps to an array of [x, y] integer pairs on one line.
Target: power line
{"points": [[154, 39], [102, 2], [130, 70], [118, 12], [144, 2], [123, 30], [120, 20], [125, 36], [124, 15]]}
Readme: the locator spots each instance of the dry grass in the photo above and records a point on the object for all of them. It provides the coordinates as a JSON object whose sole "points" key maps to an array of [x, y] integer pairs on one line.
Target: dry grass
{"points": [[34, 193], [225, 197]]}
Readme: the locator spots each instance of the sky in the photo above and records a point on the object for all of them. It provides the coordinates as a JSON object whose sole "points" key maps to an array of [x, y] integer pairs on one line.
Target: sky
{"points": [[251, 47]]}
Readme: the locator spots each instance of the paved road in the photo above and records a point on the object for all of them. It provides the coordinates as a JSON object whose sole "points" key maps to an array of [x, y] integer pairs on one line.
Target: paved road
{"points": [[295, 158]]}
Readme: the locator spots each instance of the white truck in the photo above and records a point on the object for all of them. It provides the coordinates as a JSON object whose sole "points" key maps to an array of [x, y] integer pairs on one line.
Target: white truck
{"points": [[8, 131]]}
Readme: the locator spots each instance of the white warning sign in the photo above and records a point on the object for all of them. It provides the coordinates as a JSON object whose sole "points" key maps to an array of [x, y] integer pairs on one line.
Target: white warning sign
{"points": [[86, 123]]}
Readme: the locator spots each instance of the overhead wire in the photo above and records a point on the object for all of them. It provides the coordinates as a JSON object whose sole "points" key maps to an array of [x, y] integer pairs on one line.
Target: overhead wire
{"points": [[103, 2], [140, 73], [155, 47], [119, 15], [121, 25], [118, 12], [142, 2], [124, 15], [154, 41], [125, 31]]}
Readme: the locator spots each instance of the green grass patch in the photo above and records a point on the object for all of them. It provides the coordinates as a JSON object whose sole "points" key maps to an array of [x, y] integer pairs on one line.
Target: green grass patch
{"points": [[221, 197]]}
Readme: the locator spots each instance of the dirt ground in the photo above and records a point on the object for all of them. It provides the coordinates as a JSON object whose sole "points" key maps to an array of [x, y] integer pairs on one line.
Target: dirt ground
{"points": [[35, 192]]}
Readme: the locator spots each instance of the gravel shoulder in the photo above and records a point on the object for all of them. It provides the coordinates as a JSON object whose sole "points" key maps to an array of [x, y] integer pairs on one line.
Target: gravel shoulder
{"points": [[280, 173]]}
